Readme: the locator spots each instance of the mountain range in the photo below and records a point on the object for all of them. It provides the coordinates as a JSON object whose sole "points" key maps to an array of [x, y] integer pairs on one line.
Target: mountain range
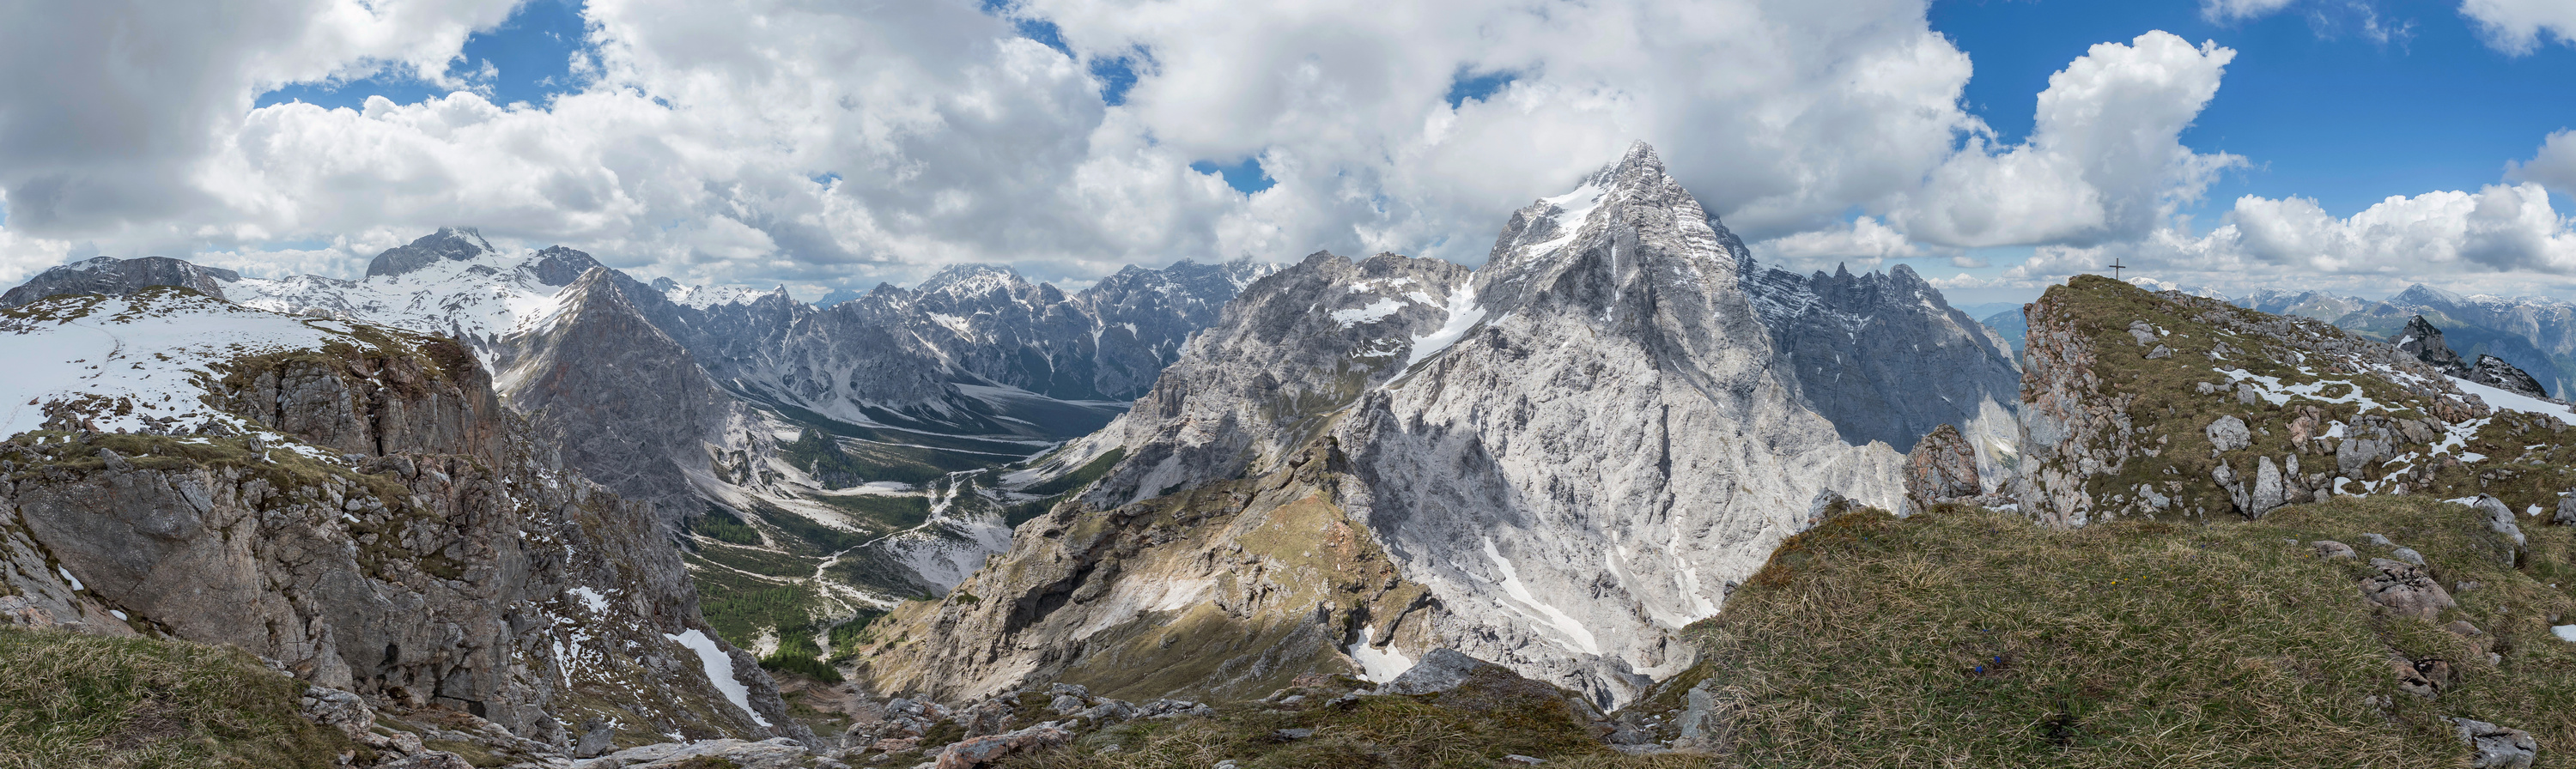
{"points": [[1621, 495]]}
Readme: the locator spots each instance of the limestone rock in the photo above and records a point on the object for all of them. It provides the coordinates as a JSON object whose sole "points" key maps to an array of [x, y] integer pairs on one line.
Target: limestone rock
{"points": [[2497, 747], [340, 710], [2500, 519], [1942, 467], [1439, 671], [2327, 548], [2405, 590], [979, 751], [2493, 371], [776, 753], [1885, 358], [2228, 433], [434, 759], [599, 740]]}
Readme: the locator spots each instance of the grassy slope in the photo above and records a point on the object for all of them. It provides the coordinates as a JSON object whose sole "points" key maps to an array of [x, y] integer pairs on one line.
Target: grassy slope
{"points": [[1971, 638], [2170, 413], [74, 700]]}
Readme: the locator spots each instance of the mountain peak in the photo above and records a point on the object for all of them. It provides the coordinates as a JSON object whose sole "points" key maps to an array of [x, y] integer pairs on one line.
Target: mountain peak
{"points": [[2420, 294], [963, 279], [448, 243]]}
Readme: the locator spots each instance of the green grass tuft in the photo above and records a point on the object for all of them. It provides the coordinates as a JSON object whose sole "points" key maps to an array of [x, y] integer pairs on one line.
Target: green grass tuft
{"points": [[69, 700]]}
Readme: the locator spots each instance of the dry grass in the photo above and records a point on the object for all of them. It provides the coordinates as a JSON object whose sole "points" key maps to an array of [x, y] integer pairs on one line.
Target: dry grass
{"points": [[1971, 638], [1474, 726], [71, 700]]}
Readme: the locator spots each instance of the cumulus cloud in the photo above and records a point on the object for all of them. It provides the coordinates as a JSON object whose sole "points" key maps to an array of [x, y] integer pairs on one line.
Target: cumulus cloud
{"points": [[2553, 167], [112, 105], [2105, 159], [2518, 26], [773, 141], [2502, 236], [1865, 243]]}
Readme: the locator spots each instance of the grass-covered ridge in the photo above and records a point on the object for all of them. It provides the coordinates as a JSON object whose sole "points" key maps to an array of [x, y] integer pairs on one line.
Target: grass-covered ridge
{"points": [[69, 700], [2137, 413], [1963, 637]]}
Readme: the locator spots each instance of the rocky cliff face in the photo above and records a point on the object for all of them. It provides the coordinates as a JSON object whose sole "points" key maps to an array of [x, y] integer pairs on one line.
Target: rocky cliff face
{"points": [[112, 276], [2424, 341], [2163, 404], [626, 405], [1886, 359], [350, 501], [1572, 450], [1233, 589]]}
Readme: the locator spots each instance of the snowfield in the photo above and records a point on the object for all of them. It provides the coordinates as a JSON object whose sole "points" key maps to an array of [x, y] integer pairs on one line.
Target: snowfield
{"points": [[150, 355]]}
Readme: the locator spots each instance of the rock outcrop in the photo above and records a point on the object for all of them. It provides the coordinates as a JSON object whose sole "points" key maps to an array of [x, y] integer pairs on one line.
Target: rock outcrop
{"points": [[1942, 468], [350, 501], [2422, 340], [2247, 412]]}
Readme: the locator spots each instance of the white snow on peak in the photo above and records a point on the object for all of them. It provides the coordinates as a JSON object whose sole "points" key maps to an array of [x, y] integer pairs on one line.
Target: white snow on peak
{"points": [[702, 297], [1573, 208], [2511, 401], [719, 668], [1374, 312], [1464, 314], [483, 297]]}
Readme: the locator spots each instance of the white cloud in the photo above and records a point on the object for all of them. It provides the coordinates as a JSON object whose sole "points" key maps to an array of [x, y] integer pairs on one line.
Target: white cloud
{"points": [[2554, 166], [2518, 26], [2104, 161], [110, 106], [2502, 237], [1866, 243], [771, 141], [2222, 11]]}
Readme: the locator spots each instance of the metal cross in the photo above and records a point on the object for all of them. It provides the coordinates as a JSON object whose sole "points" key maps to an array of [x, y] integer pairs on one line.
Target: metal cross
{"points": [[2116, 267]]}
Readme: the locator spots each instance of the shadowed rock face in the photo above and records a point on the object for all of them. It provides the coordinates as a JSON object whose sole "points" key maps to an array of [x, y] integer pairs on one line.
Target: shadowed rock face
{"points": [[1885, 358], [412, 542], [2423, 341], [115, 277], [627, 405], [2495, 372]]}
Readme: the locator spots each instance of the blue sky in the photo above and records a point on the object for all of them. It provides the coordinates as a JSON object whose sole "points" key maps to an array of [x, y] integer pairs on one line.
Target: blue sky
{"points": [[2320, 107], [836, 145], [531, 56]]}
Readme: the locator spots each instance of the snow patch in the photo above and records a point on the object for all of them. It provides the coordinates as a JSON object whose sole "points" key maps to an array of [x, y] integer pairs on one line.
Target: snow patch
{"points": [[719, 668], [2564, 632], [1538, 610], [67, 577], [1374, 312], [1464, 314], [2511, 401], [1377, 665], [591, 598]]}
